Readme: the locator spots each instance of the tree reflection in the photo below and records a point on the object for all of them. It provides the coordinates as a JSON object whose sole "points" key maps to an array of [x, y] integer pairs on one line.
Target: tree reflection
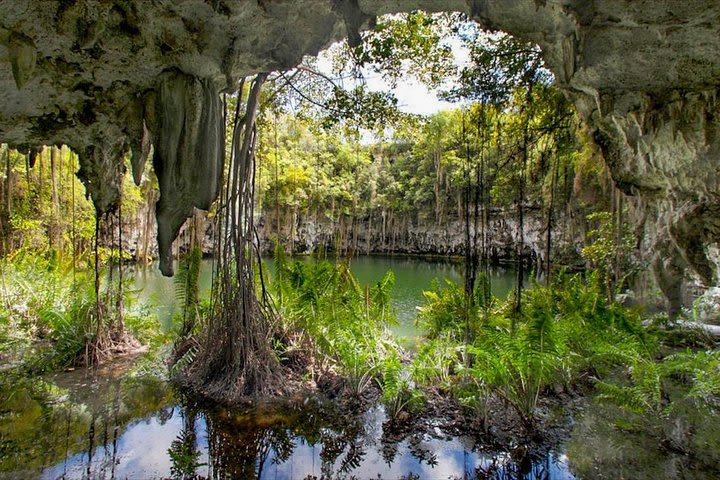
{"points": [[184, 453], [245, 444]]}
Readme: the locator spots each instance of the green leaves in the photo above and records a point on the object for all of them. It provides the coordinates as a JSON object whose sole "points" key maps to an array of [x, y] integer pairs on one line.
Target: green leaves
{"points": [[399, 46], [398, 392], [380, 297], [565, 332], [609, 251], [360, 107], [344, 324], [499, 64], [651, 386], [444, 312]]}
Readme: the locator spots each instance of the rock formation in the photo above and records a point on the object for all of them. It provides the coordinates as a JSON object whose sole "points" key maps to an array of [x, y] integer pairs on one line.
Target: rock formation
{"points": [[307, 233], [643, 74]]}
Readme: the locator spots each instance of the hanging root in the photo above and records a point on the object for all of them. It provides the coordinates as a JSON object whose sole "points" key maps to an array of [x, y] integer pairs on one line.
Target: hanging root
{"points": [[110, 338], [234, 358]]}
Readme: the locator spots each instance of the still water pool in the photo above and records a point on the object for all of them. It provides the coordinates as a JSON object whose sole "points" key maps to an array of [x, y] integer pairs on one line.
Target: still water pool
{"points": [[115, 425], [413, 275]]}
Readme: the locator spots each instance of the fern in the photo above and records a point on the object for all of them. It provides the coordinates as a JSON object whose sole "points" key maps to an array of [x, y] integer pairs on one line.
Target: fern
{"points": [[342, 323], [185, 360]]}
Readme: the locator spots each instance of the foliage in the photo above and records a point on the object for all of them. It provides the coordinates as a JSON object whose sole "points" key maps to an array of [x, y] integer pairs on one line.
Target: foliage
{"points": [[649, 385], [51, 308], [610, 252], [398, 391], [183, 452], [339, 321], [435, 362], [46, 207], [446, 314], [400, 45], [566, 331], [421, 173], [187, 290], [498, 65], [364, 108], [569, 333]]}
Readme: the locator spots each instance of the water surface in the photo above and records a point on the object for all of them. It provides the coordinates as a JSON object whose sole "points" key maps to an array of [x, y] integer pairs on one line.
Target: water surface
{"points": [[413, 275], [121, 426]]}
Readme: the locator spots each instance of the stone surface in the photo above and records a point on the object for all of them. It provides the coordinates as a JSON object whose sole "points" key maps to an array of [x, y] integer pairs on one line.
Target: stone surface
{"points": [[644, 74], [306, 233], [185, 119]]}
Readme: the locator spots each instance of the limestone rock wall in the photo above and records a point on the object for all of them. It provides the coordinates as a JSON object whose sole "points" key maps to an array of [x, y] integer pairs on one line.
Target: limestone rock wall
{"points": [[665, 150], [307, 233]]}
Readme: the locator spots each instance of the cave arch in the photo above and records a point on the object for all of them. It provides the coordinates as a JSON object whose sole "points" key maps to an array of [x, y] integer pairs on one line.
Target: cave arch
{"points": [[643, 75]]}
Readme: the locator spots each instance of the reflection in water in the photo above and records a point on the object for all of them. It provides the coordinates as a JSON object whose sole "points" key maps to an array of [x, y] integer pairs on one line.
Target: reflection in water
{"points": [[315, 442], [184, 453], [610, 443], [120, 427]]}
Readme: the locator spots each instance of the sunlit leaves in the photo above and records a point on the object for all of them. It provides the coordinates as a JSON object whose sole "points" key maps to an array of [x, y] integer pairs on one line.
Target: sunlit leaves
{"points": [[399, 46], [499, 64], [360, 107]]}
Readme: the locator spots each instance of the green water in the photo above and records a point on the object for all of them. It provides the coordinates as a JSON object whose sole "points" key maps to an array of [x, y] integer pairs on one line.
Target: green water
{"points": [[161, 291], [413, 275]]}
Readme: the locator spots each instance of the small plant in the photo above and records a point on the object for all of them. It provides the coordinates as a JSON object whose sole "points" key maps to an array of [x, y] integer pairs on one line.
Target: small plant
{"points": [[187, 290], [445, 312], [647, 386], [398, 392], [184, 455], [56, 308]]}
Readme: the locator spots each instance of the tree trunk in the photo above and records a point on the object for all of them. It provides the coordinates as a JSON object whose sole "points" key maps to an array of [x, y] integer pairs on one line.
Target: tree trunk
{"points": [[551, 208], [8, 185], [55, 236], [470, 245], [7, 204], [526, 113]]}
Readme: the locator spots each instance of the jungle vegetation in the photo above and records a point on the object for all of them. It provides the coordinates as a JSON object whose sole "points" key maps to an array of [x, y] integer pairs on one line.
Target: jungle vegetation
{"points": [[513, 144]]}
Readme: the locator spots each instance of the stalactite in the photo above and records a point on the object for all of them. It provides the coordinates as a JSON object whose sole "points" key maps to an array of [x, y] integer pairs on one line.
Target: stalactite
{"points": [[23, 57], [138, 134], [101, 170], [187, 127]]}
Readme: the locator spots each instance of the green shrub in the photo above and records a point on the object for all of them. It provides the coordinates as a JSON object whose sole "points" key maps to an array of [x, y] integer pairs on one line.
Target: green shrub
{"points": [[566, 332]]}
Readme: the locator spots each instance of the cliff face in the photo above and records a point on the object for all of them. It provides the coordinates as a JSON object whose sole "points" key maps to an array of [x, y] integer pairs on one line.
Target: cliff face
{"points": [[106, 77], [664, 149], [306, 233]]}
